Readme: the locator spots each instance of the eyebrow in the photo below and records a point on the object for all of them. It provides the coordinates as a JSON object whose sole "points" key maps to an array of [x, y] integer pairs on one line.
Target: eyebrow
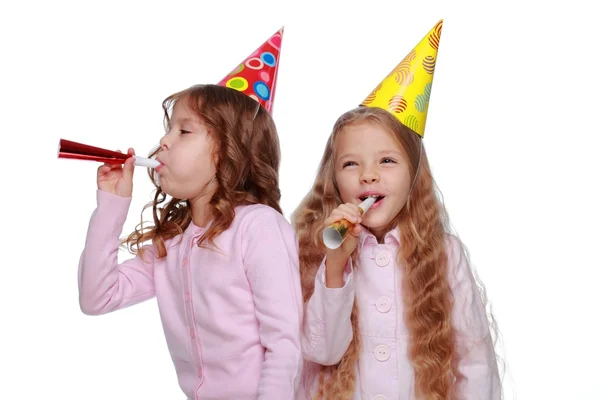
{"points": [[184, 120], [347, 155], [181, 121], [396, 152], [380, 153]]}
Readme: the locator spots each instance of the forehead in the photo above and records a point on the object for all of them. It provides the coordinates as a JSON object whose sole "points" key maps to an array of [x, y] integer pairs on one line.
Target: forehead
{"points": [[182, 112], [364, 137]]}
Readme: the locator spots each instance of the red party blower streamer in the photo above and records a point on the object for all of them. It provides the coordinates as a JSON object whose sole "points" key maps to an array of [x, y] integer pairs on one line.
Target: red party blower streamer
{"points": [[80, 151]]}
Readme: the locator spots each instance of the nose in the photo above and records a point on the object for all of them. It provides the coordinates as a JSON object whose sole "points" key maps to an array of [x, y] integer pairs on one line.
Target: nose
{"points": [[165, 142], [369, 175]]}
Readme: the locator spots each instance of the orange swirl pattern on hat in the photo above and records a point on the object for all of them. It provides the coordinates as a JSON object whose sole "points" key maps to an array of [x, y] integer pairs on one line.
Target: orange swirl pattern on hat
{"points": [[371, 96], [404, 77], [434, 36], [402, 74], [429, 64], [397, 104]]}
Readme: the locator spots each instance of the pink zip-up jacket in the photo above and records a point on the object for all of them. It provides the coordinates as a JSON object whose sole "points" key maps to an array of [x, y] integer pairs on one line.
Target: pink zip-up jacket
{"points": [[384, 371], [232, 318]]}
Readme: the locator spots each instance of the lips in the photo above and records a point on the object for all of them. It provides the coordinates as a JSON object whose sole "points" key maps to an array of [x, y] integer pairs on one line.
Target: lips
{"points": [[160, 166], [378, 196]]}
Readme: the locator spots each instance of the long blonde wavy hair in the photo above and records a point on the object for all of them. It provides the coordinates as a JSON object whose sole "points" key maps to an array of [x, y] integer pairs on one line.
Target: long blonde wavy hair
{"points": [[248, 157], [422, 225]]}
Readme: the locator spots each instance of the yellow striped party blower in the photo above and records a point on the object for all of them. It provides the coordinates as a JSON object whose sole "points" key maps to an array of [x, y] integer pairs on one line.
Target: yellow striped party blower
{"points": [[335, 234]]}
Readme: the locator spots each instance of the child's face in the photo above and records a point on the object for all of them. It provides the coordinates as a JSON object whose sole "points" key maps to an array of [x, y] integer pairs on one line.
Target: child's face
{"points": [[371, 161], [187, 156]]}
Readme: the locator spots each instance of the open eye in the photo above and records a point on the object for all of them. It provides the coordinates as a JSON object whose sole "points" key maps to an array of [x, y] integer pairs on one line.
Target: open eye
{"points": [[183, 131], [388, 160], [348, 164]]}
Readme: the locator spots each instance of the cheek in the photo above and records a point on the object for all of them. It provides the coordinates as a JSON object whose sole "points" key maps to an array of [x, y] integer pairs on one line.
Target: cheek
{"points": [[208, 161], [344, 184], [201, 158], [404, 184], [399, 181]]}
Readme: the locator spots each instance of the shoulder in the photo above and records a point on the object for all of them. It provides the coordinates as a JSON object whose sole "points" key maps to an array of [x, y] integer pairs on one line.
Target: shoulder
{"points": [[258, 222], [255, 216], [459, 270], [454, 248]]}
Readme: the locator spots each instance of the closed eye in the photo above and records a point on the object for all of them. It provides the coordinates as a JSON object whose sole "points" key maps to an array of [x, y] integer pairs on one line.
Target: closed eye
{"points": [[348, 164], [183, 132]]}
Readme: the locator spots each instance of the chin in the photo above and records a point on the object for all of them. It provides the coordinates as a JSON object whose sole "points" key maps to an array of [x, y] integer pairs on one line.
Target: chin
{"points": [[179, 196], [375, 225], [376, 218], [173, 193]]}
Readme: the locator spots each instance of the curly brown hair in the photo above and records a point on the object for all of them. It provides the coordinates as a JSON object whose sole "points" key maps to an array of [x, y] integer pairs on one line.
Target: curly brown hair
{"points": [[247, 158], [427, 297]]}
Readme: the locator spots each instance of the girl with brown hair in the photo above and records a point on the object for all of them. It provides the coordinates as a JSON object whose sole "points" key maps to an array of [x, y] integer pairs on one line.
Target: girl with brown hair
{"points": [[221, 260]]}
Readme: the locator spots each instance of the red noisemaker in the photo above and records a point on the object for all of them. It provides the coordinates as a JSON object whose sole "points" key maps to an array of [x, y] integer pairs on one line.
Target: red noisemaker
{"points": [[79, 151]]}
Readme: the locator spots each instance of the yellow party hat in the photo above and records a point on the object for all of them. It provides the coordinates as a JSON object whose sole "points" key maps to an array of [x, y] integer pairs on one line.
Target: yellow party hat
{"points": [[406, 90]]}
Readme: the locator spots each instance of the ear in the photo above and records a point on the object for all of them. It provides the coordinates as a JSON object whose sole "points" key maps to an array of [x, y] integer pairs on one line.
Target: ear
{"points": [[216, 153]]}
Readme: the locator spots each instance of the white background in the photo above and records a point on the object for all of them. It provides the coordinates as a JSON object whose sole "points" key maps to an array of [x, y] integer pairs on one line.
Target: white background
{"points": [[512, 136]]}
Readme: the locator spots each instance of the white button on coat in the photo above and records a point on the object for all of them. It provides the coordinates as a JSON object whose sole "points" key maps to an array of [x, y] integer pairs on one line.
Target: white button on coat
{"points": [[382, 259], [382, 353], [384, 304]]}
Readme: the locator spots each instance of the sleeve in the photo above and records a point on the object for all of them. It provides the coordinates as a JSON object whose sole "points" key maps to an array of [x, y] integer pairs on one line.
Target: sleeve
{"points": [[477, 367], [271, 262], [327, 330], [104, 284]]}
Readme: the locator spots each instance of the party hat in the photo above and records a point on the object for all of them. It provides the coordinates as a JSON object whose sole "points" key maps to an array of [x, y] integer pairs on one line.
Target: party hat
{"points": [[256, 76], [406, 90]]}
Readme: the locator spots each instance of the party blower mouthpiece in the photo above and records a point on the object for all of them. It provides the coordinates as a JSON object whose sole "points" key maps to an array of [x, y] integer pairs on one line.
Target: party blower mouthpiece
{"points": [[334, 234], [79, 151]]}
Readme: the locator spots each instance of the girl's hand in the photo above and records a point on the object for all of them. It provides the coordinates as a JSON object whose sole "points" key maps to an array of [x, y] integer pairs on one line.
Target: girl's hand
{"points": [[336, 259], [117, 179]]}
